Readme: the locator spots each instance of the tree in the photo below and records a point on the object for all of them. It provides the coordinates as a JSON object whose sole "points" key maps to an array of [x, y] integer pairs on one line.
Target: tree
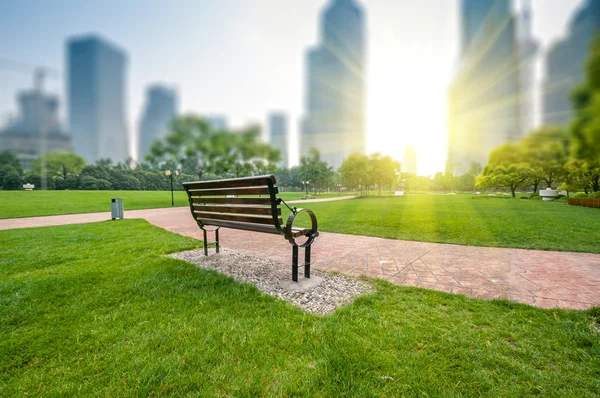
{"points": [[194, 147], [355, 171], [506, 169], [9, 165], [12, 180], [61, 164], [8, 158], [315, 170], [585, 128], [384, 171], [547, 152]]}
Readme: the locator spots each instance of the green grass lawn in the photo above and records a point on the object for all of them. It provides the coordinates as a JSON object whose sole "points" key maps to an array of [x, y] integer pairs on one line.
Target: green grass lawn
{"points": [[528, 224], [96, 310], [14, 204]]}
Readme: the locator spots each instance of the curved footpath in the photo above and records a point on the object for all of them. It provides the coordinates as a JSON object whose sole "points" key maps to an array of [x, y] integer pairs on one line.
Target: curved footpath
{"points": [[540, 278]]}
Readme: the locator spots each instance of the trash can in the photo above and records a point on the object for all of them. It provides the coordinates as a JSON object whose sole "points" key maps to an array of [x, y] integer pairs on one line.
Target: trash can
{"points": [[116, 208]]}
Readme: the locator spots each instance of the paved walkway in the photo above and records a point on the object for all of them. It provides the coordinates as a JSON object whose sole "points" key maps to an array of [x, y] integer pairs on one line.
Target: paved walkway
{"points": [[541, 278]]}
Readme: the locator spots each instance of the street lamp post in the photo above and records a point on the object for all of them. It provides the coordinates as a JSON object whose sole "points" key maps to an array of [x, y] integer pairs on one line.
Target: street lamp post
{"points": [[169, 174], [306, 186]]}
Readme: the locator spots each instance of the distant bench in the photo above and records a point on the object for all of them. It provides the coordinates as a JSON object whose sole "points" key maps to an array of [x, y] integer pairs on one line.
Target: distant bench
{"points": [[249, 204]]}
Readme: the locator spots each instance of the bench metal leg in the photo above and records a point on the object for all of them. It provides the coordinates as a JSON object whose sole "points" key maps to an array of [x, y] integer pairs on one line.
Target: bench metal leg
{"points": [[307, 262], [205, 243], [295, 263], [217, 238]]}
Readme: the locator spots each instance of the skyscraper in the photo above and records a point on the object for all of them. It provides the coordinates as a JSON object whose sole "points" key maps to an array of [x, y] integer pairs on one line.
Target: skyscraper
{"points": [[96, 93], [565, 64], [528, 50], [335, 99], [37, 121], [484, 107], [218, 122], [160, 109], [279, 135], [409, 161]]}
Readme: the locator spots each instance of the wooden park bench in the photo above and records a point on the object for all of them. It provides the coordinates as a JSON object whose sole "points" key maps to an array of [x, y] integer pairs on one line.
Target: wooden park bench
{"points": [[249, 204]]}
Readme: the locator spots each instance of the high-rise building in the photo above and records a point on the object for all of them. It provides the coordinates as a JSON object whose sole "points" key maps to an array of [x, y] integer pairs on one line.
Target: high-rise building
{"points": [[335, 101], [565, 64], [218, 122], [484, 107], [159, 111], [409, 161], [36, 129], [528, 51], [279, 135], [96, 93]]}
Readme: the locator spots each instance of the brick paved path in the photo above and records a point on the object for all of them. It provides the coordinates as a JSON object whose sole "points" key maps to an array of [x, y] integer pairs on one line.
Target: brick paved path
{"points": [[540, 278]]}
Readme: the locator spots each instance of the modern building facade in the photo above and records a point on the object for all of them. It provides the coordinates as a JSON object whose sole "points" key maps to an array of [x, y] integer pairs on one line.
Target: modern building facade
{"points": [[565, 64], [335, 85], [528, 55], [218, 122], [36, 130], [485, 98], [159, 111], [279, 134], [409, 161], [96, 93]]}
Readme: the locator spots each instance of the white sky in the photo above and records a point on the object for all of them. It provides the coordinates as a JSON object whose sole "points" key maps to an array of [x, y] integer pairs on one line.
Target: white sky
{"points": [[244, 58]]}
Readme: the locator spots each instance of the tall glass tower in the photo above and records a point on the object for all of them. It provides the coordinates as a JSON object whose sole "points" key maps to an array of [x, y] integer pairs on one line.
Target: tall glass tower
{"points": [[335, 89], [96, 96], [160, 109], [484, 109], [565, 63]]}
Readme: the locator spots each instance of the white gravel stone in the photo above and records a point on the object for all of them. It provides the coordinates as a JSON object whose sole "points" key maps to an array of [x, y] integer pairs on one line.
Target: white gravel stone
{"points": [[268, 276]]}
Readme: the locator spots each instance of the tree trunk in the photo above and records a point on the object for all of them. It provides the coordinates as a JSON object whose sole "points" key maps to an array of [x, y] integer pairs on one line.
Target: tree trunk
{"points": [[512, 190], [535, 186]]}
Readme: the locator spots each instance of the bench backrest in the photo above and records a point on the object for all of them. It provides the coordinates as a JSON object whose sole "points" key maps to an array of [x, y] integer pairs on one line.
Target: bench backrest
{"points": [[243, 203]]}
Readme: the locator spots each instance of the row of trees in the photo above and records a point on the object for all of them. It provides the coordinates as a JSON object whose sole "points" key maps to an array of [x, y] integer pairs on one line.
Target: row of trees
{"points": [[69, 171], [567, 158]]}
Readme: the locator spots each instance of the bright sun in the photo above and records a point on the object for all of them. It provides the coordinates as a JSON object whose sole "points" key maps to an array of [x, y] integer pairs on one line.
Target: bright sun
{"points": [[408, 109]]}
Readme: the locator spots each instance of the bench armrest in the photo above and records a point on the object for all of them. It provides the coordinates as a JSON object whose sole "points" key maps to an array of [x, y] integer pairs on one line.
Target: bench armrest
{"points": [[290, 221]]}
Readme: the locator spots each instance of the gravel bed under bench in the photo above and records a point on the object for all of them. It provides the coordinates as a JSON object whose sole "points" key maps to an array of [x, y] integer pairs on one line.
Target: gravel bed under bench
{"points": [[272, 278]]}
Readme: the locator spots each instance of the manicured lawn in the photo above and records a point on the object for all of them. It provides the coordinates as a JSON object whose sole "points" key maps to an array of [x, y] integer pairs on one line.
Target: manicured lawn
{"points": [[528, 224], [95, 310], [14, 204]]}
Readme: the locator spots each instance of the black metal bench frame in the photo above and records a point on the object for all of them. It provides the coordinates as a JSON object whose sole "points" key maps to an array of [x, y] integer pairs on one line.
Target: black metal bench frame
{"points": [[211, 207]]}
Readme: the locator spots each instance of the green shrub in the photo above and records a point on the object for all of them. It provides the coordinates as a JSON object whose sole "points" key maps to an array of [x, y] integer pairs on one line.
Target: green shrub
{"points": [[579, 195], [595, 195]]}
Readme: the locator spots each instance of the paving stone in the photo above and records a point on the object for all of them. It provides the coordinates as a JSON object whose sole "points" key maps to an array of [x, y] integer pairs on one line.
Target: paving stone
{"points": [[571, 279]]}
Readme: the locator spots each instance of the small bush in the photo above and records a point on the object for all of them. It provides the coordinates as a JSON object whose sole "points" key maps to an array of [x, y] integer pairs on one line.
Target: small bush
{"points": [[595, 195], [579, 195]]}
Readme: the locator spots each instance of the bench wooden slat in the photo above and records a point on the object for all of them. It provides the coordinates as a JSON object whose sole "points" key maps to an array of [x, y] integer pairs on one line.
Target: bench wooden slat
{"points": [[231, 191], [237, 183], [270, 229], [234, 201], [237, 209], [237, 218]]}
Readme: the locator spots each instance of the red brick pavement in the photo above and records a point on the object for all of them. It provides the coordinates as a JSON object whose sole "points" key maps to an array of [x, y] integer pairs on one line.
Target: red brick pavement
{"points": [[540, 278]]}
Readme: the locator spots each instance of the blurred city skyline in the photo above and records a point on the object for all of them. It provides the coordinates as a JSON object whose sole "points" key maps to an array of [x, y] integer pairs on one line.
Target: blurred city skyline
{"points": [[244, 59]]}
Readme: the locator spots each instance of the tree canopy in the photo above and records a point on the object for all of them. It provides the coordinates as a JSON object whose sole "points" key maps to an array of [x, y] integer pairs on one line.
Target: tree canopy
{"points": [[194, 147]]}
